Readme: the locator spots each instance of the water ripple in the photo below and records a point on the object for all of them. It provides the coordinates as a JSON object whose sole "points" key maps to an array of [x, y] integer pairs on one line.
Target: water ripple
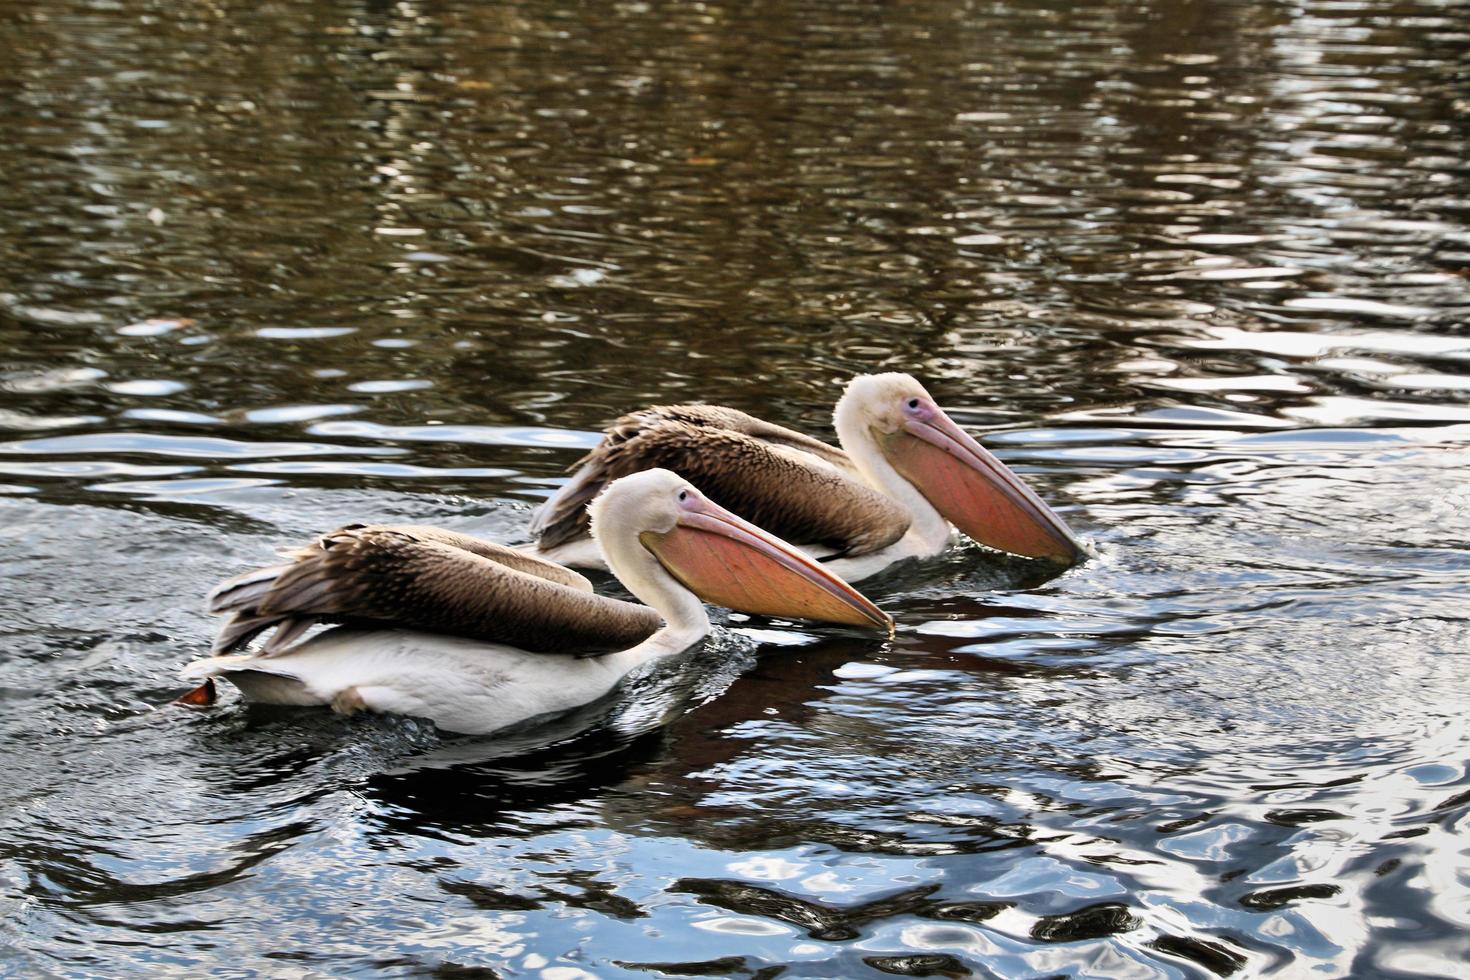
{"points": [[1197, 270]]}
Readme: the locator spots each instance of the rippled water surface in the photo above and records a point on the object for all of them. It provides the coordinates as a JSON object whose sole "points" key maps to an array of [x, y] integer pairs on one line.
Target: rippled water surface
{"points": [[1196, 268]]}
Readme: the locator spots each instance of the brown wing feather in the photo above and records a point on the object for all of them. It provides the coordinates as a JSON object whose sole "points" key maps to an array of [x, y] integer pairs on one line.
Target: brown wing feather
{"points": [[741, 463], [422, 578], [734, 420], [509, 557]]}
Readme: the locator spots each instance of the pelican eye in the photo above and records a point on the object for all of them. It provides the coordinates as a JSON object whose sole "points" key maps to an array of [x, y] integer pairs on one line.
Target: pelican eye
{"points": [[683, 494], [913, 403]]}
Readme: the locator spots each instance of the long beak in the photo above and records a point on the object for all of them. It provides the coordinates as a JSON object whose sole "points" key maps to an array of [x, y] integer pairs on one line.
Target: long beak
{"points": [[730, 562], [976, 492]]}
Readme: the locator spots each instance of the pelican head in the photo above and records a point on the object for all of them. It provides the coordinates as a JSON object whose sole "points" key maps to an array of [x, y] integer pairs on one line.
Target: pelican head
{"points": [[962, 480], [727, 561]]}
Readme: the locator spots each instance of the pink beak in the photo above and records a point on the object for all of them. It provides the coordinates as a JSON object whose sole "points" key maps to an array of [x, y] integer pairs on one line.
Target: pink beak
{"points": [[976, 492], [730, 562]]}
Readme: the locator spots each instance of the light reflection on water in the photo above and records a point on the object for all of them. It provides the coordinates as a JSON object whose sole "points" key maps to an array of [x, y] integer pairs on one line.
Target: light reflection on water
{"points": [[1198, 271]]}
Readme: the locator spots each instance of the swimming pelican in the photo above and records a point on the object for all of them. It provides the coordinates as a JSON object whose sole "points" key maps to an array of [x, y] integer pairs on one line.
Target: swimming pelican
{"points": [[475, 636], [905, 473]]}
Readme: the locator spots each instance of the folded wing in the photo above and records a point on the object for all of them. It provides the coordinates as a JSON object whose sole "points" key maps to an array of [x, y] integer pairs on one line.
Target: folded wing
{"points": [[426, 579], [794, 486]]}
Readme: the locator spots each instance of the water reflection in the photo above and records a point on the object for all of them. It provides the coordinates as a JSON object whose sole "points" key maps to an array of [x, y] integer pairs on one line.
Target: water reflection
{"points": [[1198, 269]]}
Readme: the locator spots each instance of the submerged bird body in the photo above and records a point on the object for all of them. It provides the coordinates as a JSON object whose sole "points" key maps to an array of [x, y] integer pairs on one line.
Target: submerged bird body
{"points": [[905, 474], [475, 636], [772, 476], [460, 684]]}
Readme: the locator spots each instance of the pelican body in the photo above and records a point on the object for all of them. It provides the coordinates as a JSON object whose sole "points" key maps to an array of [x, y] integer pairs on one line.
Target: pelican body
{"points": [[475, 636], [905, 478]]}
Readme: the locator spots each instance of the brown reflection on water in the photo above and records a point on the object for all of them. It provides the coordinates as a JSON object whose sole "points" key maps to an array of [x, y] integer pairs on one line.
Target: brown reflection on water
{"points": [[562, 215]]}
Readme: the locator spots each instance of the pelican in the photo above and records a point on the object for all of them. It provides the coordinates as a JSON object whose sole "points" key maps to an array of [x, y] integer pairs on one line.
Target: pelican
{"points": [[476, 636], [905, 474]]}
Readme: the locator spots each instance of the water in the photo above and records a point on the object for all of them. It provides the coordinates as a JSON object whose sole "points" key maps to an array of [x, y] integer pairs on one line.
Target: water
{"points": [[1198, 270]]}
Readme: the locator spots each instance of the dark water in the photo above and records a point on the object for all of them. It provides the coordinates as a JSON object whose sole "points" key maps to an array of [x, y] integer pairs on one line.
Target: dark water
{"points": [[1199, 268]]}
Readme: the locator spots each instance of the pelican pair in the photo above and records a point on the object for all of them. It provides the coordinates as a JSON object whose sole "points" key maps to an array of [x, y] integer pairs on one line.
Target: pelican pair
{"points": [[476, 636]]}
